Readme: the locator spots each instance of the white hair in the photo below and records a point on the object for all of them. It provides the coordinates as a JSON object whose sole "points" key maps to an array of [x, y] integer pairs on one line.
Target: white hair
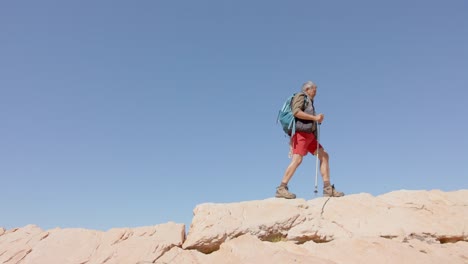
{"points": [[308, 85]]}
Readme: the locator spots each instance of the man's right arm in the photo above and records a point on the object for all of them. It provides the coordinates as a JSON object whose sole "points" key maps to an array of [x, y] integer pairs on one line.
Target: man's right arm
{"points": [[304, 116], [297, 109]]}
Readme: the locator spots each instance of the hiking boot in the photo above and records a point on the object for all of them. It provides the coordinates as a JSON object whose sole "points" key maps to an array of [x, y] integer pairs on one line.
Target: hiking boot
{"points": [[330, 191], [283, 192]]}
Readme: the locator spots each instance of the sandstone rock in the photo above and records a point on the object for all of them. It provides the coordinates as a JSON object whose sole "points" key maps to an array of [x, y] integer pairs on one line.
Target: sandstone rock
{"points": [[215, 223], [380, 250], [245, 249], [249, 249], [395, 215], [126, 245], [179, 256], [65, 246], [363, 250], [31, 245], [397, 227], [16, 244]]}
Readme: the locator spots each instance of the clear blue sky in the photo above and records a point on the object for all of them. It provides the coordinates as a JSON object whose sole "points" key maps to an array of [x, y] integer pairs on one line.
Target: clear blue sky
{"points": [[130, 113]]}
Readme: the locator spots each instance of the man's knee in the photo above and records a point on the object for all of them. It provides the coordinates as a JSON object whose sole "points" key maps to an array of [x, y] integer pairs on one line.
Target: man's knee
{"points": [[323, 154], [297, 159]]}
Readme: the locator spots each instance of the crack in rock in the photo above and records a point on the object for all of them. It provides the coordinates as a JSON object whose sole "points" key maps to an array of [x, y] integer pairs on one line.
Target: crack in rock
{"points": [[323, 207], [155, 249], [343, 228], [26, 252], [164, 250], [154, 232], [431, 238], [423, 207], [123, 237], [388, 236], [107, 259], [315, 238], [44, 237], [13, 230], [452, 239]]}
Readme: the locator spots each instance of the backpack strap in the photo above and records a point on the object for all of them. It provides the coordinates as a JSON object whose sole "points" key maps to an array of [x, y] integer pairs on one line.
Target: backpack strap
{"points": [[306, 100], [292, 126]]}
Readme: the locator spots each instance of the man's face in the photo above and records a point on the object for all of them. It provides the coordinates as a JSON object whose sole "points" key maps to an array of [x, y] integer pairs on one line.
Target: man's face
{"points": [[312, 91]]}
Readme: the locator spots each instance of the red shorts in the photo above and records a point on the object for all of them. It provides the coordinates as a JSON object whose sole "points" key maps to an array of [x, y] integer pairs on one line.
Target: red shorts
{"points": [[304, 142]]}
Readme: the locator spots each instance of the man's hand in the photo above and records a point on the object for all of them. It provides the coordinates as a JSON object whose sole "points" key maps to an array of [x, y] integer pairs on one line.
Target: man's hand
{"points": [[320, 118]]}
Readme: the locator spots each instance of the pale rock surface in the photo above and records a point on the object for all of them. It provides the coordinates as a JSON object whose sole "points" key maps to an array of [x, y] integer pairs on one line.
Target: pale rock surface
{"points": [[249, 249], [435, 214], [179, 256], [382, 251], [31, 245], [16, 244], [398, 227], [215, 223], [243, 250], [65, 246], [126, 245]]}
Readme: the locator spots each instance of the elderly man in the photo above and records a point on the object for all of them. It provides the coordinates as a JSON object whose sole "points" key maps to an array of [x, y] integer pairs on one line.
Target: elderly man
{"points": [[305, 140]]}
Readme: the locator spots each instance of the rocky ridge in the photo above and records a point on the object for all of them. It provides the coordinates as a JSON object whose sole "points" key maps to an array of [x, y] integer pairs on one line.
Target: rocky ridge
{"points": [[397, 227]]}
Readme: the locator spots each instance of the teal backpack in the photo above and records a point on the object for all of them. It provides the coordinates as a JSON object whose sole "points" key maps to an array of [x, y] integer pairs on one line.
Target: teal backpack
{"points": [[286, 117]]}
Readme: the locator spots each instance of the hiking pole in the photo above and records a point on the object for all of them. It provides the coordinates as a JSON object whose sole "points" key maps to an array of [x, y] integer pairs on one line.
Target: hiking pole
{"points": [[317, 162]]}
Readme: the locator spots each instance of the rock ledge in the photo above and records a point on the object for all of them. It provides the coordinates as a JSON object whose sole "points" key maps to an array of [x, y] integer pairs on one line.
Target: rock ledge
{"points": [[397, 227]]}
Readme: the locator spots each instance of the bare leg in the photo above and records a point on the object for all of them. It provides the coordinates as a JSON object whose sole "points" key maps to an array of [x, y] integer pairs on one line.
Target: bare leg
{"points": [[295, 162], [324, 165], [328, 190]]}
